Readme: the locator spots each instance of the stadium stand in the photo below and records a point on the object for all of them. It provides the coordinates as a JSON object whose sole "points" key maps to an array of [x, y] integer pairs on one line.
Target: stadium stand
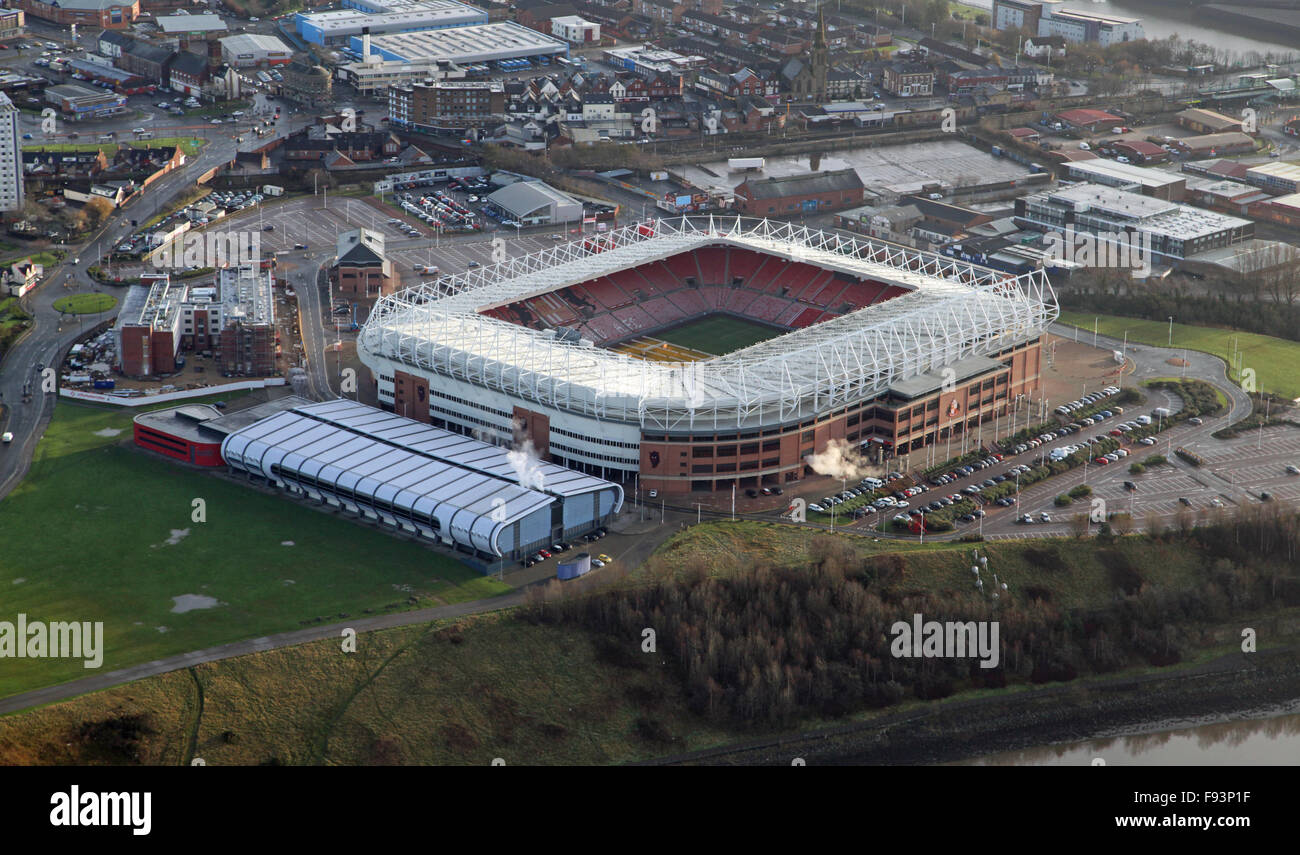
{"points": [[624, 306]]}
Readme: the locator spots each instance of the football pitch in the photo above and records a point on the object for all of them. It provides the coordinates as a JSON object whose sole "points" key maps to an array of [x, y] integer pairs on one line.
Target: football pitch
{"points": [[718, 334]]}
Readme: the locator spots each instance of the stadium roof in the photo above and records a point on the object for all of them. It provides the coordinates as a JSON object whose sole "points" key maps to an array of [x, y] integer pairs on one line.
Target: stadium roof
{"points": [[963, 369], [955, 310]]}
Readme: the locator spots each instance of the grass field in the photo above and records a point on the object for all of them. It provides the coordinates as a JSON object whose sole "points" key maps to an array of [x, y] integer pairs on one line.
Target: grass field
{"points": [[495, 685], [85, 304], [189, 145], [102, 531], [1272, 359], [718, 334]]}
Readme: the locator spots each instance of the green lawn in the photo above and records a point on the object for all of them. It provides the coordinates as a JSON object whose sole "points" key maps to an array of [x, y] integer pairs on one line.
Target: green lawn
{"points": [[1272, 359], [85, 304], [189, 145], [718, 334], [88, 532]]}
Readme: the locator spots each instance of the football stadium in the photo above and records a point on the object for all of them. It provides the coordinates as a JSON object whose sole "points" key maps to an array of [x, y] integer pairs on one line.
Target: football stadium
{"points": [[700, 355]]}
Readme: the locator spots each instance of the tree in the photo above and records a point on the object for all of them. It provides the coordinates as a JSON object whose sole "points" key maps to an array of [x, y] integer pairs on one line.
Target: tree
{"points": [[1079, 525]]}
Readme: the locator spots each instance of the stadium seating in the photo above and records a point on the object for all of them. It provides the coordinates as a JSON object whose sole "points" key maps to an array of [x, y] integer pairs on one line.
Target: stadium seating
{"points": [[680, 267], [713, 265], [627, 303], [806, 318], [689, 301]]}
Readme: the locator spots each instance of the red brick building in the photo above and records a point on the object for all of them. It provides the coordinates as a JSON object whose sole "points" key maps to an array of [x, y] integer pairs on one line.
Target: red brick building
{"points": [[362, 272], [800, 194], [105, 14]]}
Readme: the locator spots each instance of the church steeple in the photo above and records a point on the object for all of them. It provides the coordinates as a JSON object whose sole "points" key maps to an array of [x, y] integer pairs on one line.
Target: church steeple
{"points": [[820, 59]]}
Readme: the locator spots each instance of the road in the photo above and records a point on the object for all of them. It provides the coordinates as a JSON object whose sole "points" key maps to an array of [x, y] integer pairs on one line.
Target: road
{"points": [[47, 339]]}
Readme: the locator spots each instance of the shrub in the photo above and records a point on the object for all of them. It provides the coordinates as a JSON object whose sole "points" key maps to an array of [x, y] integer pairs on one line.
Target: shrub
{"points": [[1080, 491], [1063, 500], [1136, 468]]}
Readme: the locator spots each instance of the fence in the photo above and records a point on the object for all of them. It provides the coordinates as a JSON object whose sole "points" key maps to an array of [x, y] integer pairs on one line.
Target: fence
{"points": [[122, 401]]}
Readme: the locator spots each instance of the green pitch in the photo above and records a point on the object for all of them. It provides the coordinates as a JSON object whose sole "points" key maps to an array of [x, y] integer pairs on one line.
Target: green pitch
{"points": [[718, 334]]}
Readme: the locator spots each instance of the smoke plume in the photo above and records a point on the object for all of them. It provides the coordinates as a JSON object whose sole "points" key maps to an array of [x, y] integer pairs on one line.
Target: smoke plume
{"points": [[527, 465], [842, 461]]}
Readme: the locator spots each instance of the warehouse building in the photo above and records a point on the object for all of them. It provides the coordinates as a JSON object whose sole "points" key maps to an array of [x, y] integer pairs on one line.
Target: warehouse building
{"points": [[82, 102], [1281, 178], [1214, 145], [484, 499], [336, 28], [1204, 121], [823, 191], [1176, 231], [249, 49], [1149, 182], [485, 43], [535, 203], [1093, 121], [105, 14]]}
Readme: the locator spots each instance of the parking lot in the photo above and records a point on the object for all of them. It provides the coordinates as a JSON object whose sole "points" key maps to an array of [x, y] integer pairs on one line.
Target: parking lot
{"points": [[316, 223]]}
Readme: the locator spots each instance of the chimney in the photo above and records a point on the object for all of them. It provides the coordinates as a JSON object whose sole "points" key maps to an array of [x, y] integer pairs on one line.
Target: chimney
{"points": [[365, 44]]}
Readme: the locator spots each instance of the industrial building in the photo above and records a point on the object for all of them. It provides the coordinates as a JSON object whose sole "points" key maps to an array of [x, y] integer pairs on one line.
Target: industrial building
{"points": [[823, 191], [535, 203], [1204, 121], [82, 102], [105, 14], [1092, 121], [1282, 178], [649, 62], [1176, 231], [337, 28], [205, 25], [376, 76], [483, 43], [249, 49], [1149, 182], [484, 499], [575, 30]]}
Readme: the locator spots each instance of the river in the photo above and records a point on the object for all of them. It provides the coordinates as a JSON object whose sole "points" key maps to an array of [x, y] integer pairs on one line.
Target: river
{"points": [[1268, 736], [1160, 21]]}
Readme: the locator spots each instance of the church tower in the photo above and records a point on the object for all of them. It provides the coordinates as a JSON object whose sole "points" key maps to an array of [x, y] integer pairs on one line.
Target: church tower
{"points": [[820, 56]]}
